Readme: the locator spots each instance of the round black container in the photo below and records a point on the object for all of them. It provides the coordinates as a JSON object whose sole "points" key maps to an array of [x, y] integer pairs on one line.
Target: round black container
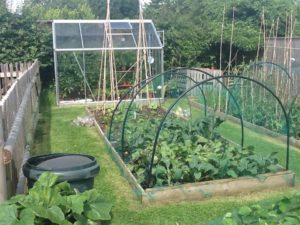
{"points": [[79, 170]]}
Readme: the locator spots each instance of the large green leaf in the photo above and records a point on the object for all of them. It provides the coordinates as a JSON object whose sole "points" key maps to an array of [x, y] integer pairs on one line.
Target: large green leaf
{"points": [[82, 220], [8, 214], [245, 211], [47, 179], [97, 210], [74, 202], [27, 217], [44, 195], [54, 214], [65, 188]]}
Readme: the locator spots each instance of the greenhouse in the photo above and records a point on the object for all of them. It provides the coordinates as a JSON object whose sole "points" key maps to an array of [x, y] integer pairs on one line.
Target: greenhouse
{"points": [[117, 53]]}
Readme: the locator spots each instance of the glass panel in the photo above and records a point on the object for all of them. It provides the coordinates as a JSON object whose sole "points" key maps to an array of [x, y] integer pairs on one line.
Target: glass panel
{"points": [[152, 39], [123, 41], [121, 27], [124, 34], [67, 35], [92, 34]]}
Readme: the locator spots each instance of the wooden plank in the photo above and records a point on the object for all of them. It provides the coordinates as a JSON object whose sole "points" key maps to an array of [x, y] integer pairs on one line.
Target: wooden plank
{"points": [[223, 187], [138, 190], [3, 184], [11, 72], [18, 123], [19, 108], [1, 82], [5, 78], [17, 69], [1, 128], [21, 67]]}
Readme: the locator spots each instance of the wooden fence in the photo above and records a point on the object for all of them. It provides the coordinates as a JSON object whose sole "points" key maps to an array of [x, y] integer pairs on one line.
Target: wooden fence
{"points": [[20, 89]]}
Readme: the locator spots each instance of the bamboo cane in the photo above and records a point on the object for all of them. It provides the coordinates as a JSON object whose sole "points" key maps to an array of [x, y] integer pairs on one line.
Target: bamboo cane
{"points": [[230, 55], [221, 51]]}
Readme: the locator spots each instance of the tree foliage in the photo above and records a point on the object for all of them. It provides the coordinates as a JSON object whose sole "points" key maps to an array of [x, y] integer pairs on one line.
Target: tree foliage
{"points": [[58, 9], [21, 39], [193, 28], [119, 9], [2, 7]]}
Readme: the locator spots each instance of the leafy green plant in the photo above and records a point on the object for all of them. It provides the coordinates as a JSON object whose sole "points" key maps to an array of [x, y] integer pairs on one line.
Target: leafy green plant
{"points": [[71, 79], [187, 151], [49, 202], [285, 211], [190, 152], [199, 161], [295, 121]]}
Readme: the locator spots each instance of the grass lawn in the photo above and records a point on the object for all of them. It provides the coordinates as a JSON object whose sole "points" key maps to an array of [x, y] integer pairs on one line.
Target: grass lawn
{"points": [[56, 133]]}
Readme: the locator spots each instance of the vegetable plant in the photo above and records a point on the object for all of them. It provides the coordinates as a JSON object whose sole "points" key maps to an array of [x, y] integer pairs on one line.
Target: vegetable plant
{"points": [[49, 202], [187, 150], [190, 152], [285, 211], [295, 121]]}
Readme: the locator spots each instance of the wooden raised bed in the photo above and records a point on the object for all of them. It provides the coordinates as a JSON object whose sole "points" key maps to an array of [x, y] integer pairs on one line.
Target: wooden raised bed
{"points": [[200, 190]]}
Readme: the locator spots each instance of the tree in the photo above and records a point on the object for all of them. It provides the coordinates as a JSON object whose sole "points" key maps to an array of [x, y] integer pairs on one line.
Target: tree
{"points": [[58, 9], [21, 39], [119, 9], [3, 8], [193, 28]]}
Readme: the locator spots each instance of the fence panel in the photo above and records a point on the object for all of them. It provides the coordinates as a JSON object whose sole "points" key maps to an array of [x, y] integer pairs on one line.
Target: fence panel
{"points": [[20, 84]]}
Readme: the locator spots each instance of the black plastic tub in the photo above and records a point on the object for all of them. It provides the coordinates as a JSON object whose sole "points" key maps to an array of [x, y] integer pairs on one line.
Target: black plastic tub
{"points": [[79, 170]]}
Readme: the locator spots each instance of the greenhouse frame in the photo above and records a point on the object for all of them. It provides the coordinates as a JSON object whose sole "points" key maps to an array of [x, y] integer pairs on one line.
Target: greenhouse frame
{"points": [[83, 40]]}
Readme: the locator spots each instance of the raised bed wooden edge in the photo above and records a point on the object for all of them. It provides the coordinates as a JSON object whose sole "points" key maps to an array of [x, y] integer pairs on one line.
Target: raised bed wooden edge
{"points": [[200, 190]]}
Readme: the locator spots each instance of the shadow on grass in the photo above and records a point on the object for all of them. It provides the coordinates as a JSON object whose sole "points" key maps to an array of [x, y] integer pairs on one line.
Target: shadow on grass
{"points": [[41, 137]]}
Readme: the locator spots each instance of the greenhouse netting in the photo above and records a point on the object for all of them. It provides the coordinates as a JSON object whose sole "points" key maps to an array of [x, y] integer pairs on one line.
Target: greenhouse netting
{"points": [[195, 132]]}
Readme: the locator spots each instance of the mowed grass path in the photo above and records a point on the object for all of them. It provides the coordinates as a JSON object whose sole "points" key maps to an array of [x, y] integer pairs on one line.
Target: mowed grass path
{"points": [[56, 133]]}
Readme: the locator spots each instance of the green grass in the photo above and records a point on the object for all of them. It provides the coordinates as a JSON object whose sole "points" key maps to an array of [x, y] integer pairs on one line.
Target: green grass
{"points": [[56, 133]]}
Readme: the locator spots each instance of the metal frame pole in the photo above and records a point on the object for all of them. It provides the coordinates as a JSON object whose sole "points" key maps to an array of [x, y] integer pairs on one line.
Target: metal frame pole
{"points": [[55, 64]]}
